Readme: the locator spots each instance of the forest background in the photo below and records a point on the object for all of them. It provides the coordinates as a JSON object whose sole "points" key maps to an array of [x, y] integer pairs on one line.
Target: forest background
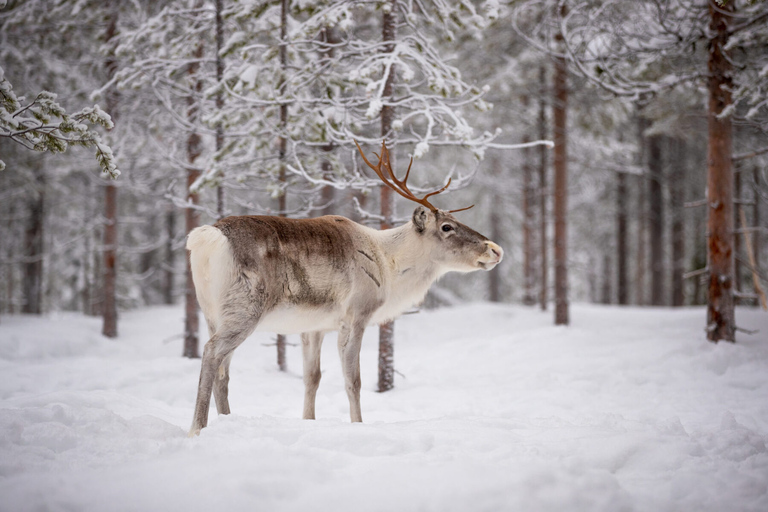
{"points": [[654, 194]]}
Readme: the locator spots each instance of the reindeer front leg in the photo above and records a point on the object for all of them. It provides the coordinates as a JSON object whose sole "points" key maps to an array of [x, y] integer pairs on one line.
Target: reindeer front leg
{"points": [[350, 341], [311, 343]]}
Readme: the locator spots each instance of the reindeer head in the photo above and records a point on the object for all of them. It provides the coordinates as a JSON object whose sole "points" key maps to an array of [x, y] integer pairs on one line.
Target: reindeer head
{"points": [[454, 246]]}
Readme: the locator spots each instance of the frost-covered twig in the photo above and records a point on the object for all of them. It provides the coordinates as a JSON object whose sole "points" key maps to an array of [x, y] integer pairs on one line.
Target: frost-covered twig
{"points": [[44, 125]]}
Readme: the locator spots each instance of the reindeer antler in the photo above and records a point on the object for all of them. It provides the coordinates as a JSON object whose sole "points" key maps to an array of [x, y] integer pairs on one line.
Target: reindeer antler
{"points": [[401, 186]]}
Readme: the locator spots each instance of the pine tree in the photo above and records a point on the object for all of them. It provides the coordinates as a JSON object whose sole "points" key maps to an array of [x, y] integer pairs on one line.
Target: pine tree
{"points": [[639, 50]]}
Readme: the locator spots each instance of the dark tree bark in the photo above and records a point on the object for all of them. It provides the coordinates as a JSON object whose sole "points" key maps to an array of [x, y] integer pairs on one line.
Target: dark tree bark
{"points": [[32, 275], [109, 305], [642, 247], [543, 195], [737, 250], [720, 305], [756, 216], [676, 202], [192, 215], [387, 330], [642, 215], [8, 252], [97, 282], [169, 276], [656, 219], [605, 291], [622, 263], [559, 117]]}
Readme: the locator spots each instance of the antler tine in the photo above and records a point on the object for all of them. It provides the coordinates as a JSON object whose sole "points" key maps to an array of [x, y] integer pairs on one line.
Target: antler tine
{"points": [[441, 190], [438, 191], [401, 186], [395, 184], [376, 168]]}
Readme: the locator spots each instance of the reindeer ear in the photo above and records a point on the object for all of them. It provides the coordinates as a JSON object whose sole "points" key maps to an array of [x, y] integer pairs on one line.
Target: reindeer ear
{"points": [[420, 216]]}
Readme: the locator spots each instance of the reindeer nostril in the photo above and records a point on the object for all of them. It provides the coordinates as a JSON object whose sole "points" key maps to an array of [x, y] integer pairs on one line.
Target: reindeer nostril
{"points": [[495, 252]]}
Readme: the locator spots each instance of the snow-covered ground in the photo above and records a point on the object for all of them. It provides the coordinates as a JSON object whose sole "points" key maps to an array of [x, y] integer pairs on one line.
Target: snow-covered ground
{"points": [[495, 409]]}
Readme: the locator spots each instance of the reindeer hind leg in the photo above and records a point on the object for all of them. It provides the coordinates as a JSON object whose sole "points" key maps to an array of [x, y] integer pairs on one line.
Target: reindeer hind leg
{"points": [[221, 385], [214, 369]]}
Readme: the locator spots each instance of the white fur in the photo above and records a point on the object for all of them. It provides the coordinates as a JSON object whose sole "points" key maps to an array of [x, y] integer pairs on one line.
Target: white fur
{"points": [[213, 269]]}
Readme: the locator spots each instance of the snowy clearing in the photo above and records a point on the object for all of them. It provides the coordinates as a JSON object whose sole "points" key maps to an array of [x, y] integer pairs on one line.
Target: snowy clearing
{"points": [[496, 409]]}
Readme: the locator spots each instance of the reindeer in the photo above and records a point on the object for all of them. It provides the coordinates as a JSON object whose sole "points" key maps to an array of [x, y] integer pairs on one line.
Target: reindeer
{"points": [[311, 276]]}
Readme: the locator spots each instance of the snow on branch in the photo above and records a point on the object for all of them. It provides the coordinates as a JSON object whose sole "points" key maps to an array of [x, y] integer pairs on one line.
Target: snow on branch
{"points": [[44, 125], [523, 145]]}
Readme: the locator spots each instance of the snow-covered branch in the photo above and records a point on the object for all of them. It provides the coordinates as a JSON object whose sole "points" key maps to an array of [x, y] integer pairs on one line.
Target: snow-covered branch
{"points": [[44, 125]]}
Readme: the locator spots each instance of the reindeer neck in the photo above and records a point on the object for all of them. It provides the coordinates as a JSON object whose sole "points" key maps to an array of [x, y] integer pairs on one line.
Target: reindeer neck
{"points": [[409, 256]]}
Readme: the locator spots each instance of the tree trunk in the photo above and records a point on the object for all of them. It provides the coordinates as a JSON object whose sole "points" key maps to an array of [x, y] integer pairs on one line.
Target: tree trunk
{"points": [[656, 219], [219, 102], [676, 201], [642, 217], [622, 263], [91, 258], [543, 195], [192, 220], [605, 291], [192, 215], [97, 287], [592, 278], [528, 221], [387, 330], [282, 205], [32, 277], [559, 116], [494, 281], [756, 216], [170, 256], [327, 193], [8, 251], [737, 251], [720, 306], [109, 305], [329, 38]]}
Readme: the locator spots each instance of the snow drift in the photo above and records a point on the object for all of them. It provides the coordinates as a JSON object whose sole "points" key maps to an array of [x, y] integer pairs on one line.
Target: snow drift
{"points": [[495, 409]]}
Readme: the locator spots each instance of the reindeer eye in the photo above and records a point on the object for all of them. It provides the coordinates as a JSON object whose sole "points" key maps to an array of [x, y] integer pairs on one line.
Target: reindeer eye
{"points": [[447, 227]]}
